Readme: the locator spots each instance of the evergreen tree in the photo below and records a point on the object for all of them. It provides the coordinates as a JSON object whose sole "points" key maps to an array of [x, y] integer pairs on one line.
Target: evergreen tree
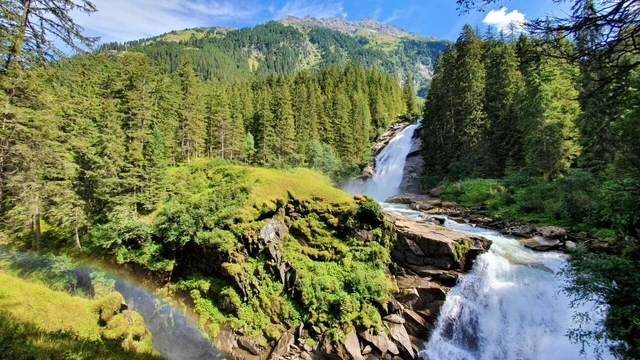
{"points": [[470, 120], [284, 123], [550, 111], [503, 92], [191, 128], [409, 97]]}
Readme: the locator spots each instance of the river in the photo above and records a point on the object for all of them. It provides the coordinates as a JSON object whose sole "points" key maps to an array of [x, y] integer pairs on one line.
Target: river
{"points": [[511, 305]]}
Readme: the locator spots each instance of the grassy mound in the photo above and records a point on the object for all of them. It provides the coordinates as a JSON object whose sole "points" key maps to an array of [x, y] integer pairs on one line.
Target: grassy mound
{"points": [[40, 323], [327, 269]]}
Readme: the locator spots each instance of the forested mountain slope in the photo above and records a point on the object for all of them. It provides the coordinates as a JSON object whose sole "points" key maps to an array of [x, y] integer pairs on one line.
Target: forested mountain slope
{"points": [[291, 44]]}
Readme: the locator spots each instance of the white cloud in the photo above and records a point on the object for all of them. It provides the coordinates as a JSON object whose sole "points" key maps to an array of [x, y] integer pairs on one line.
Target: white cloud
{"points": [[502, 20], [121, 20], [317, 9]]}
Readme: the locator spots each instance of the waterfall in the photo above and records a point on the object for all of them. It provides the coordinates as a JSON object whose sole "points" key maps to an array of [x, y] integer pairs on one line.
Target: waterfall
{"points": [[510, 306], [389, 168]]}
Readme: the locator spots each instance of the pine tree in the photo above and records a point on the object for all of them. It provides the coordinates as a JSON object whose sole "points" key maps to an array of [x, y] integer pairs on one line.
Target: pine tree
{"points": [[191, 128], [33, 27], [218, 120], [470, 120], [503, 91], [137, 106], [155, 189], [550, 111], [409, 97], [284, 123]]}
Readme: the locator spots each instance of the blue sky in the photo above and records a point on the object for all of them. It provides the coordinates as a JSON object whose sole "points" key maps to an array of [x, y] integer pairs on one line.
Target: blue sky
{"points": [[121, 20]]}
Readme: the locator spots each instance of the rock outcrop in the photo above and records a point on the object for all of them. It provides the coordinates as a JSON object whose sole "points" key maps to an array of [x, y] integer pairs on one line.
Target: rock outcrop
{"points": [[413, 165], [421, 244]]}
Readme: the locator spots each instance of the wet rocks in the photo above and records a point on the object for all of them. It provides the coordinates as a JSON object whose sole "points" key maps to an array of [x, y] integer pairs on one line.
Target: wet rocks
{"points": [[408, 198], [421, 244], [539, 243]]}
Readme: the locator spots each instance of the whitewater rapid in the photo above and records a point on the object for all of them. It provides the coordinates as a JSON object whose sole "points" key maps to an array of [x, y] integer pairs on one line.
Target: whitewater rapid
{"points": [[389, 168], [510, 306]]}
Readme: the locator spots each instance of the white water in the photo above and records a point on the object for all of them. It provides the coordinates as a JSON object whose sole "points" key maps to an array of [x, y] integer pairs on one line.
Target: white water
{"points": [[510, 306], [389, 168]]}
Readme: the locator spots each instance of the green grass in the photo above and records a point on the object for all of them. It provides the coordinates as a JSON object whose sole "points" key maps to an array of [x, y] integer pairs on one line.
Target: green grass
{"points": [[269, 187], [40, 323], [474, 193], [572, 202]]}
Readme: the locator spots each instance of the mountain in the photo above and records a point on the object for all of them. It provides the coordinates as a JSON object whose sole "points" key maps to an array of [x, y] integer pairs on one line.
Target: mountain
{"points": [[291, 44]]}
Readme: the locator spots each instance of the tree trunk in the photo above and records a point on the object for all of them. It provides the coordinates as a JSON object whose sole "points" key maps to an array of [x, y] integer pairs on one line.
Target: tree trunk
{"points": [[76, 238], [37, 233], [13, 62]]}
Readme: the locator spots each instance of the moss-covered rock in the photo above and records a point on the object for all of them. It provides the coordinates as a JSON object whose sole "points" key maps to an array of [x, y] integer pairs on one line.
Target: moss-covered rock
{"points": [[109, 306], [126, 325]]}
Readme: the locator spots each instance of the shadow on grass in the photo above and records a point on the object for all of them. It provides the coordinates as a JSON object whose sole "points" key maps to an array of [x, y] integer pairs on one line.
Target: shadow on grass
{"points": [[23, 341]]}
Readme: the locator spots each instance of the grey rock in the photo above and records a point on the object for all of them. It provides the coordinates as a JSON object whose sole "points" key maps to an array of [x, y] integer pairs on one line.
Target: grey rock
{"points": [[421, 244], [437, 192], [400, 335], [367, 350], [393, 318], [570, 245], [352, 345], [380, 341], [552, 232], [539, 243], [283, 345], [249, 345]]}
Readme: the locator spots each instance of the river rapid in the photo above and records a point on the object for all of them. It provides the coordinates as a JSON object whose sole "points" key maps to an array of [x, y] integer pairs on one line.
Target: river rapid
{"points": [[511, 305]]}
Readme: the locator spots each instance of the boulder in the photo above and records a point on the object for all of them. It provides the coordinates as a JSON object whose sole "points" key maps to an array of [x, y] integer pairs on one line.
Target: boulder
{"points": [[272, 231], [352, 345], [416, 325], [539, 243], [427, 205], [380, 341], [437, 192], [367, 350], [249, 345], [421, 244], [393, 318], [408, 198], [283, 345], [400, 335], [570, 245], [519, 231], [552, 232]]}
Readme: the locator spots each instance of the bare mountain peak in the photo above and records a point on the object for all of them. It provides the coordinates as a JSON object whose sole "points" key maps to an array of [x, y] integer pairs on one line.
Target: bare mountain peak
{"points": [[360, 27]]}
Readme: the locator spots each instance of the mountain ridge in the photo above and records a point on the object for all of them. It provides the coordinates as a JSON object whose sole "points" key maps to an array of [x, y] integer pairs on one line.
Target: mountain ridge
{"points": [[292, 44]]}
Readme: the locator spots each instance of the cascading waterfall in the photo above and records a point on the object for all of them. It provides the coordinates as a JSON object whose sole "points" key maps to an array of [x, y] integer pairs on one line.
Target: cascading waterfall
{"points": [[510, 306], [389, 168]]}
